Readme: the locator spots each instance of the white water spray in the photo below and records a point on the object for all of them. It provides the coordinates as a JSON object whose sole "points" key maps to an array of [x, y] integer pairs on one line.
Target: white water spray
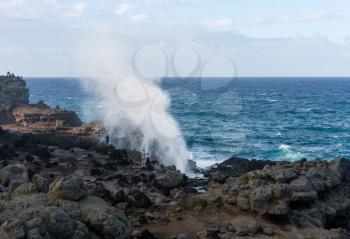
{"points": [[134, 109]]}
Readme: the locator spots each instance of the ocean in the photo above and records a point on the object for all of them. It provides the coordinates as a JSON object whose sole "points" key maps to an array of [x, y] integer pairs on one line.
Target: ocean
{"points": [[256, 118]]}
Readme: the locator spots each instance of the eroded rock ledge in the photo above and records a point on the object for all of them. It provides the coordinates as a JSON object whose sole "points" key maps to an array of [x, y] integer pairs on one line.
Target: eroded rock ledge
{"points": [[16, 114]]}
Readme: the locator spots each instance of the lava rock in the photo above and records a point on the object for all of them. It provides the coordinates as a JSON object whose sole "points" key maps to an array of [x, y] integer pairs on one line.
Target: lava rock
{"points": [[13, 172], [70, 188]]}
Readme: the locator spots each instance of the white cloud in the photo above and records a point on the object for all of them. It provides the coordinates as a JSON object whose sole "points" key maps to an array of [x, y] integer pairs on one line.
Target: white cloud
{"points": [[75, 10], [122, 8], [219, 24], [169, 1], [8, 3], [138, 18], [305, 17]]}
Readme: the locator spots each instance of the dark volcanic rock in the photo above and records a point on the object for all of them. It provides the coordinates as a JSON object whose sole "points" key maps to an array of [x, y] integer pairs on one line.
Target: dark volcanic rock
{"points": [[34, 117], [138, 199], [13, 172], [70, 188], [13, 93], [169, 178], [236, 166], [67, 211], [308, 193]]}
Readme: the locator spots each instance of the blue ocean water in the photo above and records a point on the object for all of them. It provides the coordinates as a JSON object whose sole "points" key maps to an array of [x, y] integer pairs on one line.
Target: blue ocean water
{"points": [[261, 118]]}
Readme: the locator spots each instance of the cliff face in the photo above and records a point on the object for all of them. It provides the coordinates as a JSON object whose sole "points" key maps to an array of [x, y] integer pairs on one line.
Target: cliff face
{"points": [[13, 93], [16, 114], [33, 117]]}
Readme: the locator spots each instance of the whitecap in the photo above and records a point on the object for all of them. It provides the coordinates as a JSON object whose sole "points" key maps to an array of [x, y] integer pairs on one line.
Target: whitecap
{"points": [[205, 163], [288, 153]]}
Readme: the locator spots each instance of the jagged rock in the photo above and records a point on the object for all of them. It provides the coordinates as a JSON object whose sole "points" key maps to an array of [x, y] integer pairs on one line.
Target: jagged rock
{"points": [[145, 234], [138, 199], [218, 177], [302, 190], [12, 228], [309, 193], [39, 117], [105, 220], [13, 93], [202, 201], [13, 172], [236, 166], [170, 179], [57, 222], [34, 216], [70, 188], [23, 188], [41, 183]]}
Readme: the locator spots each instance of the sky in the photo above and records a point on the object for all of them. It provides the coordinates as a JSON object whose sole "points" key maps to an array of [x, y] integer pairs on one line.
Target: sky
{"points": [[195, 37]]}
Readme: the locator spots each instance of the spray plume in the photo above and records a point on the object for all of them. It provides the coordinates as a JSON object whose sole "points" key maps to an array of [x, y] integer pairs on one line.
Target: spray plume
{"points": [[133, 108]]}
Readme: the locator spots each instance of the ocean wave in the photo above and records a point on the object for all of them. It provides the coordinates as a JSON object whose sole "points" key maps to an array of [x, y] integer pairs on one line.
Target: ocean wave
{"points": [[289, 154]]}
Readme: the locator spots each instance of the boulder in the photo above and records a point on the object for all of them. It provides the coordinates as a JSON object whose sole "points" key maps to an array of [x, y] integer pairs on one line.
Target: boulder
{"points": [[302, 190], [41, 183], [34, 216], [13, 172], [58, 222], [138, 199], [236, 166], [12, 228], [23, 188], [69, 188], [101, 218], [170, 179]]}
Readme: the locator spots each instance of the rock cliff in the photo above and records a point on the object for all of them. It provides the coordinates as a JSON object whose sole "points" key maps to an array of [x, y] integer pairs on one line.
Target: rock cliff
{"points": [[13, 93], [36, 117], [16, 114]]}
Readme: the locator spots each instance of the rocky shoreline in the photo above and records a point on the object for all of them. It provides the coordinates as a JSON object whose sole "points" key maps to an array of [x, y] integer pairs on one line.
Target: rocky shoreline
{"points": [[58, 181]]}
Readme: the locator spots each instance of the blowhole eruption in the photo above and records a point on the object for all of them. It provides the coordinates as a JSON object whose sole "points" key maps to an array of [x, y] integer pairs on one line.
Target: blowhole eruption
{"points": [[133, 109]]}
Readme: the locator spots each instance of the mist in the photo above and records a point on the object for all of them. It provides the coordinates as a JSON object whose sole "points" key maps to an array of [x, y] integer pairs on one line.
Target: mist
{"points": [[133, 108]]}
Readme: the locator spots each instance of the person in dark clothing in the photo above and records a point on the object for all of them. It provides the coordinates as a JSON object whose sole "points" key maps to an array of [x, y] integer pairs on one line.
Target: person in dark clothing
{"points": [[149, 166], [143, 159], [107, 139]]}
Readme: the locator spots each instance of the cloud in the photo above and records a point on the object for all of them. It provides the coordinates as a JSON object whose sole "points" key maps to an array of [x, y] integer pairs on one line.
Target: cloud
{"points": [[305, 17], [8, 3], [75, 10], [122, 8], [219, 24], [169, 1], [138, 18]]}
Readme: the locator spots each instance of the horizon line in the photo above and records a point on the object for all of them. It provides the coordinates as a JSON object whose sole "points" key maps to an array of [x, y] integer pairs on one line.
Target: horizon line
{"points": [[195, 77]]}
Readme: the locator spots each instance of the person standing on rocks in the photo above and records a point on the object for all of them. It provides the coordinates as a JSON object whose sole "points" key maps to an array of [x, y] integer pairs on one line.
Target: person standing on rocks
{"points": [[143, 159], [149, 166]]}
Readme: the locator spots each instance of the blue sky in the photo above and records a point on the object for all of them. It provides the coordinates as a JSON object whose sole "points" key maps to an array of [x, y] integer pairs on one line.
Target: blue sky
{"points": [[262, 38]]}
